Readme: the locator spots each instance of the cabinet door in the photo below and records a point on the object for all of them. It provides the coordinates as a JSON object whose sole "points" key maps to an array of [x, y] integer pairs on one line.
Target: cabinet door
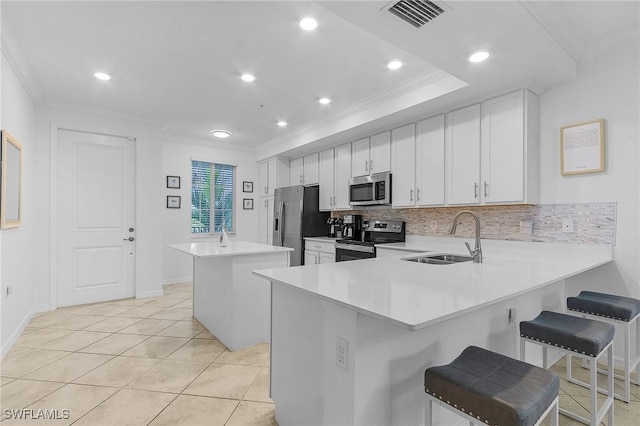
{"points": [[403, 146], [310, 169], [503, 153], [263, 224], [272, 182], [296, 171], [463, 156], [310, 257], [326, 258], [269, 208], [380, 153], [360, 157], [342, 176], [325, 177], [263, 188], [430, 162]]}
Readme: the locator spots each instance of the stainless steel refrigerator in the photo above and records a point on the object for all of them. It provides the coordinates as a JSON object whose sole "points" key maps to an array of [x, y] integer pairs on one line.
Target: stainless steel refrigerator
{"points": [[297, 215]]}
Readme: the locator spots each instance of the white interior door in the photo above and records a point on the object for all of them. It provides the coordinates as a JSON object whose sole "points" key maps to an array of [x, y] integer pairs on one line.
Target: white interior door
{"points": [[95, 215]]}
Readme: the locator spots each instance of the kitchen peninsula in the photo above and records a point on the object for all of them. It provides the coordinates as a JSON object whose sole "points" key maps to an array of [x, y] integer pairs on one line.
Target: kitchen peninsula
{"points": [[350, 341], [228, 300]]}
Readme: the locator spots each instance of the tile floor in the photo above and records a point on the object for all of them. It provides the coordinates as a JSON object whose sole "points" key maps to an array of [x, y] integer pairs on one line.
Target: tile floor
{"points": [[148, 362]]}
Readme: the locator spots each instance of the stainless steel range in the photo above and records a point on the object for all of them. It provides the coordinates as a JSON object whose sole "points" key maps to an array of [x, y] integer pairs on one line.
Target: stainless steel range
{"points": [[378, 232]]}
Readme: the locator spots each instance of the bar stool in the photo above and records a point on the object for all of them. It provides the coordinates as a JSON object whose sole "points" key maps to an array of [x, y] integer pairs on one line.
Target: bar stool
{"points": [[614, 310], [581, 337], [488, 388]]}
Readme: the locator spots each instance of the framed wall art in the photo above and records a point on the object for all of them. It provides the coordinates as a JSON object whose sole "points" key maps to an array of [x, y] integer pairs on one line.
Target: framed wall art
{"points": [[582, 148], [173, 201], [247, 203], [173, 182], [10, 182], [247, 186]]}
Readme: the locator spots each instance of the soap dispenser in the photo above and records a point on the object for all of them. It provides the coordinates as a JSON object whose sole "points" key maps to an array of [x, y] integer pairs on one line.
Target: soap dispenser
{"points": [[224, 239]]}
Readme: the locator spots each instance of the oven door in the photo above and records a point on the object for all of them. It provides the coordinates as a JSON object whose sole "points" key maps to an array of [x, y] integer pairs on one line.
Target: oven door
{"points": [[345, 252]]}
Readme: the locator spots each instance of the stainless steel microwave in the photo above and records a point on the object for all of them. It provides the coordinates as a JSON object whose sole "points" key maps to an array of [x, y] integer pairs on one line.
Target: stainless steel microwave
{"points": [[370, 190]]}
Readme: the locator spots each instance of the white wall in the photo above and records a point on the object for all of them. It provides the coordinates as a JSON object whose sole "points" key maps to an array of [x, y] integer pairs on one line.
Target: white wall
{"points": [[19, 245], [176, 223], [607, 87]]}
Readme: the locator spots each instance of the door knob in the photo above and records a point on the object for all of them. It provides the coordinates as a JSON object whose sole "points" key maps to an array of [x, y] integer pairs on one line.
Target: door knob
{"points": [[128, 239]]}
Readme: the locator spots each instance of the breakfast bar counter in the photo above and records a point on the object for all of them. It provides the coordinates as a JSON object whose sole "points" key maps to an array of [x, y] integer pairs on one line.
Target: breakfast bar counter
{"points": [[350, 341], [228, 300]]}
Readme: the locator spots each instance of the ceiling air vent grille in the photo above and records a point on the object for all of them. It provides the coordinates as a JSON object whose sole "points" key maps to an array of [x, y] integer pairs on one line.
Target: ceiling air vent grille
{"points": [[416, 12]]}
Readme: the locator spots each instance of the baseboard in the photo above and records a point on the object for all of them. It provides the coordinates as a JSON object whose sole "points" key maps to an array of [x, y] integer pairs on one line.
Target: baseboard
{"points": [[154, 293], [177, 280], [6, 346]]}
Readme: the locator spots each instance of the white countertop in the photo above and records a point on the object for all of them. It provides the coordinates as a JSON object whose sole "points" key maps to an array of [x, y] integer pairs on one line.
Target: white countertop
{"points": [[321, 239], [414, 295], [233, 248]]}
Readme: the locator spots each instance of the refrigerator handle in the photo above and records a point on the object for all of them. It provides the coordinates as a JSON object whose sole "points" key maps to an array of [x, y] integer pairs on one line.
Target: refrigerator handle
{"points": [[281, 234]]}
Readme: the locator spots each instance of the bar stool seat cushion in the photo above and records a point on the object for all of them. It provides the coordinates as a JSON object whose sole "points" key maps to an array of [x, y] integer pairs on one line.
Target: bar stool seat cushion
{"points": [[606, 305], [576, 334], [493, 388]]}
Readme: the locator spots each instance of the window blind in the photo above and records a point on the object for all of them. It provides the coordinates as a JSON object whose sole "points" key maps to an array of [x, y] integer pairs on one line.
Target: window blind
{"points": [[212, 197]]}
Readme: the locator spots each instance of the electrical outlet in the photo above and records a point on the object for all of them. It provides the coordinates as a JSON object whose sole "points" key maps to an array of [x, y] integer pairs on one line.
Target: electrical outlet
{"points": [[567, 225], [434, 225], [526, 227], [342, 353], [511, 315]]}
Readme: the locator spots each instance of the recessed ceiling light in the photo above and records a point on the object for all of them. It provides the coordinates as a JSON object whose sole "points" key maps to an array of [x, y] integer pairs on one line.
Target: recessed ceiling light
{"points": [[394, 65], [102, 76], [308, 24], [247, 77], [324, 101], [221, 133], [282, 123], [478, 56]]}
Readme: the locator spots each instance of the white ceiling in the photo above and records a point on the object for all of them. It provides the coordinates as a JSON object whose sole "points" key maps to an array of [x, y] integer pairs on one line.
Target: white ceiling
{"points": [[178, 63]]}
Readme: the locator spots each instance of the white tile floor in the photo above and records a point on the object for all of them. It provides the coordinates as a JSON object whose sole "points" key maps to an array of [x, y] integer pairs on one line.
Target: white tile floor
{"points": [[148, 362]]}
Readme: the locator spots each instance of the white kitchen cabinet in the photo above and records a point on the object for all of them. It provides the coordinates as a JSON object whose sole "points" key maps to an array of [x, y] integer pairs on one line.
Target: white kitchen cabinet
{"points": [[403, 146], [333, 177], [418, 163], [265, 228], [304, 170], [462, 141], [371, 155], [509, 148], [430, 161], [318, 252], [274, 173]]}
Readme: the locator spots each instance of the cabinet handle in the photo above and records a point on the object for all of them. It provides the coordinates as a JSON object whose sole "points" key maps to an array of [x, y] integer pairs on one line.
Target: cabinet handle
{"points": [[334, 200], [411, 194], [366, 165], [475, 190], [371, 165], [485, 189], [266, 189], [317, 258], [418, 194], [300, 178]]}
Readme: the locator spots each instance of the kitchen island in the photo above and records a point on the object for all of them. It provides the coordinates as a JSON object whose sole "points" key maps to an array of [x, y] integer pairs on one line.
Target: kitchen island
{"points": [[228, 300], [350, 341]]}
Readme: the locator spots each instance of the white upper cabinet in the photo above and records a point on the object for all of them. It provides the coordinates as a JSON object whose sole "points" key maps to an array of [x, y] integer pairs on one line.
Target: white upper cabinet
{"points": [[371, 155], [462, 141], [429, 158], [274, 173], [326, 178], [304, 170], [265, 228], [334, 174], [509, 148], [403, 182]]}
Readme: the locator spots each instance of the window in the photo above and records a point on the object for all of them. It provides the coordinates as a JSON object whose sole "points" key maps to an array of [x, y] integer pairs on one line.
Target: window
{"points": [[212, 197]]}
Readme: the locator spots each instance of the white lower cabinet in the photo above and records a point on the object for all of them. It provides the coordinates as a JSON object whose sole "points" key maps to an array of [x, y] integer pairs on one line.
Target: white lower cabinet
{"points": [[318, 251]]}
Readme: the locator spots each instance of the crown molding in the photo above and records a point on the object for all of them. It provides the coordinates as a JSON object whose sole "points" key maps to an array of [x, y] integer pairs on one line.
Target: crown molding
{"points": [[11, 50], [104, 112], [421, 80]]}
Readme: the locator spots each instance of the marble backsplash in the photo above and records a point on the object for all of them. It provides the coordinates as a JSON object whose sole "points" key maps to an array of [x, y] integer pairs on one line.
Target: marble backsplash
{"points": [[593, 223]]}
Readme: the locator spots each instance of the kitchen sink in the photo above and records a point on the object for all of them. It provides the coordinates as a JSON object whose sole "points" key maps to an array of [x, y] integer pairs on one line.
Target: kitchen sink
{"points": [[440, 259]]}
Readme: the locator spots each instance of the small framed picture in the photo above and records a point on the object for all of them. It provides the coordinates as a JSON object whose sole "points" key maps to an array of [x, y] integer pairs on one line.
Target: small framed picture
{"points": [[582, 148], [173, 182], [173, 201], [247, 186], [247, 203]]}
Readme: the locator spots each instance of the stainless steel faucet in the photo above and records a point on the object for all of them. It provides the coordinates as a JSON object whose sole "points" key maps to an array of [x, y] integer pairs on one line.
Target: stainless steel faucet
{"points": [[477, 251]]}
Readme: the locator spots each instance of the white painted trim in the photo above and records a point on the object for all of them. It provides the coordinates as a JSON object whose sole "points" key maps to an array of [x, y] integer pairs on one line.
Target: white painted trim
{"points": [[178, 280], [54, 127], [8, 344], [154, 293]]}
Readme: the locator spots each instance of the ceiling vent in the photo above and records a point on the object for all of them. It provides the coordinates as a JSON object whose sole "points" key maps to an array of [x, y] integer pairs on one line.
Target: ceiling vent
{"points": [[416, 12]]}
